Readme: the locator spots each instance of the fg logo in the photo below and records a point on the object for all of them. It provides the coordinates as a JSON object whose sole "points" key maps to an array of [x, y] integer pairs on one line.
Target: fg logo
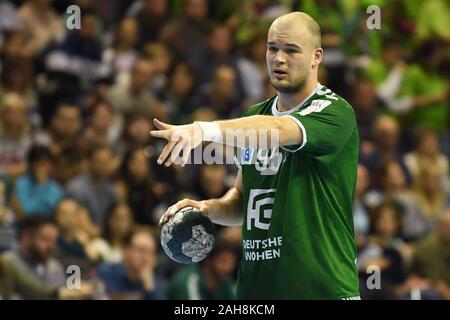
{"points": [[259, 208]]}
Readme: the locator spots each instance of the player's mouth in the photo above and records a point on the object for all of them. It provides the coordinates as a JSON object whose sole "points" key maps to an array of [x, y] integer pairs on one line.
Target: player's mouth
{"points": [[279, 74]]}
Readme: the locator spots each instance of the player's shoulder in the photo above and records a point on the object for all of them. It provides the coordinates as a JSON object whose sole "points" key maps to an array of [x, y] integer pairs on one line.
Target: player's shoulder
{"points": [[327, 101], [262, 107]]}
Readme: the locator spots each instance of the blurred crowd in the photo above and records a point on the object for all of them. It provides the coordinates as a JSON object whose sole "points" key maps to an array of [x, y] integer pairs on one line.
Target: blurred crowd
{"points": [[79, 183]]}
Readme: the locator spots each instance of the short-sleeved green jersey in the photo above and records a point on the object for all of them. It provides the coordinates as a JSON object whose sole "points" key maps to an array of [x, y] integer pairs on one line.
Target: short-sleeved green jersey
{"points": [[298, 237]]}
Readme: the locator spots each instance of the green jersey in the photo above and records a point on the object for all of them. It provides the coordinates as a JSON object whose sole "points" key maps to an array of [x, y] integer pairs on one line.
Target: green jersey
{"points": [[298, 237], [189, 284]]}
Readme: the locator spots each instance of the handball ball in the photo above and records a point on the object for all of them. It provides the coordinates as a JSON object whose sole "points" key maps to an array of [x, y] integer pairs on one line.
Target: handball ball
{"points": [[188, 237]]}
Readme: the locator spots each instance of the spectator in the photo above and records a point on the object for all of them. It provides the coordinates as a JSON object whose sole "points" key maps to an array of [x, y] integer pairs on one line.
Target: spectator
{"points": [[211, 182], [101, 129], [94, 189], [34, 256], [119, 224], [162, 60], [36, 192], [217, 53], [252, 68], [431, 258], [385, 137], [123, 53], [431, 197], [209, 279], [41, 23], [138, 186], [192, 23], [382, 251], [134, 90], [134, 278], [181, 87], [222, 94], [150, 19], [63, 139], [17, 77], [14, 281], [427, 152], [15, 138], [80, 55], [73, 246], [367, 108]]}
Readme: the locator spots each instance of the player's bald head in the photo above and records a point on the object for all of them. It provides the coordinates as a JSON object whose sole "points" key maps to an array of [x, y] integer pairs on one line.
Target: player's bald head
{"points": [[299, 24]]}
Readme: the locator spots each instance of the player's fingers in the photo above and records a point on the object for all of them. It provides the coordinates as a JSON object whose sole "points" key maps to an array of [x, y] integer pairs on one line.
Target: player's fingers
{"points": [[165, 134], [166, 151], [175, 154], [161, 125], [186, 154]]}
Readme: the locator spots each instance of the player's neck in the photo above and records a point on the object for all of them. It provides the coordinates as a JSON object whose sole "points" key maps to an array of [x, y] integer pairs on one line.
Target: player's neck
{"points": [[287, 101]]}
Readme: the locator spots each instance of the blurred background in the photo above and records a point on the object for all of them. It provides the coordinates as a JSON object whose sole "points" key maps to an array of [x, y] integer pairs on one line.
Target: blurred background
{"points": [[79, 184]]}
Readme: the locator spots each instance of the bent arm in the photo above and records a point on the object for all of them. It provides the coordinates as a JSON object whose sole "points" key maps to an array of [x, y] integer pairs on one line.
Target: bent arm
{"points": [[227, 211]]}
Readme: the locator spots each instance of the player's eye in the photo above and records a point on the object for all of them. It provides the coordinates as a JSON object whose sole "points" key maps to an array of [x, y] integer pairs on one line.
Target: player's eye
{"points": [[290, 50], [272, 49]]}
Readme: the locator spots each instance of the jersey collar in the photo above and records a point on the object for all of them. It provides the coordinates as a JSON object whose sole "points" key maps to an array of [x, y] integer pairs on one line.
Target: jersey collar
{"points": [[275, 111]]}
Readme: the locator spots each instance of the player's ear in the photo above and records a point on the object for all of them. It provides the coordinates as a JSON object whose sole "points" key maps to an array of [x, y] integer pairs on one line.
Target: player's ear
{"points": [[317, 57]]}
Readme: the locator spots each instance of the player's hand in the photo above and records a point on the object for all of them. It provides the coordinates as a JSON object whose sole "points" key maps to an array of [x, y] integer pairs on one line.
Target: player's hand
{"points": [[182, 138], [201, 206]]}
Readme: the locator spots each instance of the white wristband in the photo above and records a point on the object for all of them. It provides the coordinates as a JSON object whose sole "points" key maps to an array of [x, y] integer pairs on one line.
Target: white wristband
{"points": [[211, 131]]}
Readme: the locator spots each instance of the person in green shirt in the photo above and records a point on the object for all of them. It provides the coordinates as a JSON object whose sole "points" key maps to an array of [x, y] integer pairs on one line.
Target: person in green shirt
{"points": [[294, 190], [208, 280]]}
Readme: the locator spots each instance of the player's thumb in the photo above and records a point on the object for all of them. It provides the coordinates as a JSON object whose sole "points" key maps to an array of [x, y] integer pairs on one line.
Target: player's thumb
{"points": [[161, 125]]}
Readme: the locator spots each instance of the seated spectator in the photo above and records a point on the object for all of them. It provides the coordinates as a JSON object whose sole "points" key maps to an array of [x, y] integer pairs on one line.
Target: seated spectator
{"points": [[383, 252], [63, 139], [151, 15], [427, 151], [217, 52], [221, 94], [34, 256], [134, 133], [15, 138], [137, 186], [162, 60], [80, 54], [41, 23], [253, 69], [94, 189], [209, 279], [192, 22], [75, 236], [178, 97], [366, 106], [430, 275], [118, 225], [14, 282], [383, 147], [431, 196], [134, 278], [36, 192], [100, 129], [132, 90], [211, 182], [17, 77], [123, 53]]}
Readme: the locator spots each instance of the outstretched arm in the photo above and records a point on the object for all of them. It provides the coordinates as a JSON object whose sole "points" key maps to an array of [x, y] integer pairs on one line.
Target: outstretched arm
{"points": [[263, 131]]}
